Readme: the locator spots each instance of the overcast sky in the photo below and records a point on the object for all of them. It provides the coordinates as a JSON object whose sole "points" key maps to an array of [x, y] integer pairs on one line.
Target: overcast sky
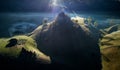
{"points": [[43, 5]]}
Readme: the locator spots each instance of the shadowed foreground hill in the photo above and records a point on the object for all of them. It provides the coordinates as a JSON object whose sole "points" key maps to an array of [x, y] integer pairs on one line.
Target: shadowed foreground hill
{"points": [[110, 50], [21, 50], [68, 43]]}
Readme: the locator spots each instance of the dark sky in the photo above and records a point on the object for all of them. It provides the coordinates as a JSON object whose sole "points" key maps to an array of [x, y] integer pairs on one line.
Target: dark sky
{"points": [[43, 5]]}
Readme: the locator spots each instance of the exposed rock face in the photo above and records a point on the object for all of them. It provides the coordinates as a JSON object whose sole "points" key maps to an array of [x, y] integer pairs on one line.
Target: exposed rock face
{"points": [[68, 43], [110, 50], [88, 25]]}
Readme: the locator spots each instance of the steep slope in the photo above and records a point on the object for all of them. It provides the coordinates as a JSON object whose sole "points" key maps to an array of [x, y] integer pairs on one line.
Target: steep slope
{"points": [[69, 43], [110, 50]]}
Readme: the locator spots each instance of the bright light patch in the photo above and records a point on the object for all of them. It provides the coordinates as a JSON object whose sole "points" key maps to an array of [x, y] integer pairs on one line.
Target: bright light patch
{"points": [[78, 19], [57, 5], [53, 3]]}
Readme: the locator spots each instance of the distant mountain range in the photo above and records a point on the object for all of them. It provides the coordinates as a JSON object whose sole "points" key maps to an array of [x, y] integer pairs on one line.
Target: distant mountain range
{"points": [[43, 5]]}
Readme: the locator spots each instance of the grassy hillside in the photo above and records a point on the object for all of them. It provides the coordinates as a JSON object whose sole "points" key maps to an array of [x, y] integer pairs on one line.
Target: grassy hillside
{"points": [[25, 46], [110, 50]]}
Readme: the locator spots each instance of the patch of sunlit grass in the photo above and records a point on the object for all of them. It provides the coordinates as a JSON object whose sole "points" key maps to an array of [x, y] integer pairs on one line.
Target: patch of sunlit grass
{"points": [[110, 50], [23, 42]]}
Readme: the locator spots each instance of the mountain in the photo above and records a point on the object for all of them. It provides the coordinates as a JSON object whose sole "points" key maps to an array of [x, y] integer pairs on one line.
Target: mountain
{"points": [[68, 43]]}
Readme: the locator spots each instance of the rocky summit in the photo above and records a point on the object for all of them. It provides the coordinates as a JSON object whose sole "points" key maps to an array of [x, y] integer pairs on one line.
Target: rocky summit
{"points": [[68, 43]]}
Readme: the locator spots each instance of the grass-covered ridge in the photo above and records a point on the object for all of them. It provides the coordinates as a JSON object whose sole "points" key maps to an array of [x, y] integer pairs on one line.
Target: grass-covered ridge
{"points": [[24, 43], [110, 50]]}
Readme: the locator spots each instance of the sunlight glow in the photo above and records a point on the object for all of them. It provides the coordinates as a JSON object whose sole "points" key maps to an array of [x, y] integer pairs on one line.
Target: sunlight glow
{"points": [[54, 3], [57, 5]]}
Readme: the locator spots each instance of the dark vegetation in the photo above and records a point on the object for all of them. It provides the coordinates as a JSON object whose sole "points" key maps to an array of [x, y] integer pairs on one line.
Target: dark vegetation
{"points": [[12, 42]]}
